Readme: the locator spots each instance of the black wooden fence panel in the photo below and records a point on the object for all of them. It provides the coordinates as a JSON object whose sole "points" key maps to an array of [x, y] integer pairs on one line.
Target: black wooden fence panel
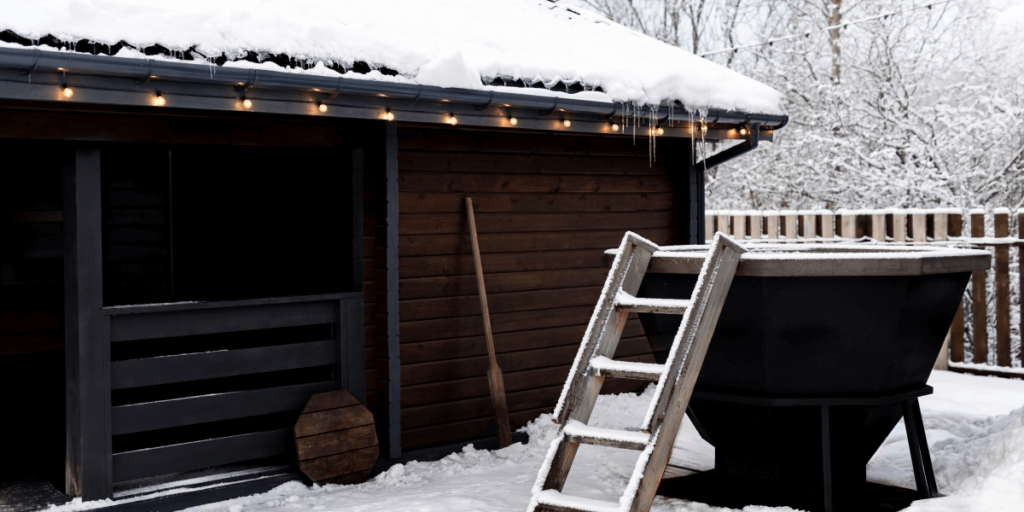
{"points": [[200, 454], [188, 367]]}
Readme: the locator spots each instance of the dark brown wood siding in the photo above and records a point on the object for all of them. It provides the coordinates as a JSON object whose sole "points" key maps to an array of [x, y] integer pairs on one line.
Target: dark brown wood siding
{"points": [[547, 206]]}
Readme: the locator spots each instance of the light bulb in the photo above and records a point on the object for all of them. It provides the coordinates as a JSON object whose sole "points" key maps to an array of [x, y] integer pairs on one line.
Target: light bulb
{"points": [[743, 131], [566, 123], [322, 108], [615, 127], [513, 121], [661, 131], [159, 101], [703, 128], [452, 121], [247, 103], [68, 92], [389, 116]]}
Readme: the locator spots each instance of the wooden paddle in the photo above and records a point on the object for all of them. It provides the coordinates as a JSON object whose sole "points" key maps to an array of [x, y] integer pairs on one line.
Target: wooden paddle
{"points": [[494, 378]]}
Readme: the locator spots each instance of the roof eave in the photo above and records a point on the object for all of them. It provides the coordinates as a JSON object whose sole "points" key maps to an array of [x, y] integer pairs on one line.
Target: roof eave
{"points": [[36, 74]]}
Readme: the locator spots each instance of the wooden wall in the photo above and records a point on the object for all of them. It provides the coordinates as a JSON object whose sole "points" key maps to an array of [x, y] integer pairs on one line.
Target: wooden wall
{"points": [[547, 206]]}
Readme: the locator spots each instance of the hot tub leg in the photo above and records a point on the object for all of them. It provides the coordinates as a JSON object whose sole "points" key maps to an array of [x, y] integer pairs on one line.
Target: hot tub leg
{"points": [[826, 458], [919, 454]]}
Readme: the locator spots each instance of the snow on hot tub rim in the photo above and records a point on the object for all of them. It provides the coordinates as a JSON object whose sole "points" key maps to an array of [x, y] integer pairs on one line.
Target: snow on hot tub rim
{"points": [[838, 260]]}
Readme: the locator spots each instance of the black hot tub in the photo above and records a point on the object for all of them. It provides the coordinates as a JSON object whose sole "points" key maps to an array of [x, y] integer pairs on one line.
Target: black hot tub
{"points": [[818, 352]]}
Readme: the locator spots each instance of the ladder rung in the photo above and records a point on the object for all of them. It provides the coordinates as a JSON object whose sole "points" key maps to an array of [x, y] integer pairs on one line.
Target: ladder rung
{"points": [[626, 369], [578, 432], [631, 304], [556, 501]]}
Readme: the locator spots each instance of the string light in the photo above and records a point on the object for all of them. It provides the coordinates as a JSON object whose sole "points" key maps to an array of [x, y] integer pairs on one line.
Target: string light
{"points": [[513, 121], [566, 123], [246, 103], [68, 92], [322, 107], [743, 131], [615, 127], [389, 115], [159, 100], [452, 120], [661, 131]]}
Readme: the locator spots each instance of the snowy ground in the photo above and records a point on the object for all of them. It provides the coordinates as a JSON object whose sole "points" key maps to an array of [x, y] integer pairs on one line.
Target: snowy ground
{"points": [[975, 426]]}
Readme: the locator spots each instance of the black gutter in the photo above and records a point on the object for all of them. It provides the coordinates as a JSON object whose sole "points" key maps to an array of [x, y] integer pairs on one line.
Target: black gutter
{"points": [[724, 156], [29, 62]]}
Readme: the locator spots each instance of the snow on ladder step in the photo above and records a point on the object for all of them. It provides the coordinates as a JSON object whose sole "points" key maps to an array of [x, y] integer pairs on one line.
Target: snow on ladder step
{"points": [[554, 500], [578, 432], [626, 369], [627, 302]]}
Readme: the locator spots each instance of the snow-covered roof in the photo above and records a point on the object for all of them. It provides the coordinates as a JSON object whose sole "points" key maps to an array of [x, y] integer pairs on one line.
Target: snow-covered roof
{"points": [[449, 43]]}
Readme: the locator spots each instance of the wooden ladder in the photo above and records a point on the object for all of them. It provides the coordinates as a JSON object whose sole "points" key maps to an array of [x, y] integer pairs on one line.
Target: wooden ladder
{"points": [[675, 378]]}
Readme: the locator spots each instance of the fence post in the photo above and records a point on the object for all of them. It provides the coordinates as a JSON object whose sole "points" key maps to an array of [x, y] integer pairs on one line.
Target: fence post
{"points": [[979, 310], [827, 230], [739, 225], [899, 225], [709, 224], [847, 224], [789, 226], [878, 225], [808, 229], [920, 225], [1002, 278], [1020, 269], [941, 223], [771, 222], [723, 221], [754, 220], [955, 224]]}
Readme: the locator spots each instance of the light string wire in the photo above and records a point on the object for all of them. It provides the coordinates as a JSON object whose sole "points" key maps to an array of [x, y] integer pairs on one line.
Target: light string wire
{"points": [[826, 29]]}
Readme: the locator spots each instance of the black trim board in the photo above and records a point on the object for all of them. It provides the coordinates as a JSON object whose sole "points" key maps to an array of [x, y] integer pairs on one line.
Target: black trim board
{"points": [[394, 427]]}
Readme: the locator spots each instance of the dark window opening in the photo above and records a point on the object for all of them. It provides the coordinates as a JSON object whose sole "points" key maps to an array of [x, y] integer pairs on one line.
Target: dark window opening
{"points": [[203, 223]]}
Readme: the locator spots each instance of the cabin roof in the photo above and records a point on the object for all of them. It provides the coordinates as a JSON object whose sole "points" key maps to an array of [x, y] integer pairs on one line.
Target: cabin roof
{"points": [[553, 48]]}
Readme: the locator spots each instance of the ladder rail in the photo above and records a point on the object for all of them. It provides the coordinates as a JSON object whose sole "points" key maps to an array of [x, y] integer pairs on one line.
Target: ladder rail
{"points": [[710, 274], [626, 263], [682, 390]]}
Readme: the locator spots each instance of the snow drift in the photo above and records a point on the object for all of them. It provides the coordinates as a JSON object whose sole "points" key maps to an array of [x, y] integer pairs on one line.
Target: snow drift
{"points": [[447, 43]]}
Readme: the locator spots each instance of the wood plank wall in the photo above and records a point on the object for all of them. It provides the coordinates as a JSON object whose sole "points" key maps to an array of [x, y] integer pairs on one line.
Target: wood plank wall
{"points": [[547, 207]]}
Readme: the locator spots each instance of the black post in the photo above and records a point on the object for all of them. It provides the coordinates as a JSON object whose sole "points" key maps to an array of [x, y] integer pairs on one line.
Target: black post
{"points": [[394, 359], [87, 334], [826, 458]]}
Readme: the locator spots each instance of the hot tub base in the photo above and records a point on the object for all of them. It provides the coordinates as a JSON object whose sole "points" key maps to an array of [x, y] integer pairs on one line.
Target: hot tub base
{"points": [[806, 453]]}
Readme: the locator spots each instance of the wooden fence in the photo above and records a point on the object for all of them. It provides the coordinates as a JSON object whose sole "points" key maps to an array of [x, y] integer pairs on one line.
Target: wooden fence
{"points": [[943, 226]]}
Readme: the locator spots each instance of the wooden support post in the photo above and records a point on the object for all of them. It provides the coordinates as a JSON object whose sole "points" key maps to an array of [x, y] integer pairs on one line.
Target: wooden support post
{"points": [[1020, 270], [979, 309], [88, 465], [494, 377], [393, 425], [827, 228], [899, 225], [351, 373], [810, 223], [739, 225], [771, 222], [709, 224], [956, 335], [754, 223], [723, 222], [1002, 288], [789, 225], [878, 225]]}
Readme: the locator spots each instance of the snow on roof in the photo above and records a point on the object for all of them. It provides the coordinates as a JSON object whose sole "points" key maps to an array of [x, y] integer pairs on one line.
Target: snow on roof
{"points": [[447, 43]]}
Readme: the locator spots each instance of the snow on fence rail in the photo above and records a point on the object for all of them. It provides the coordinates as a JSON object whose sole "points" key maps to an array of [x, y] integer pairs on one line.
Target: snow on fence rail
{"points": [[972, 349]]}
